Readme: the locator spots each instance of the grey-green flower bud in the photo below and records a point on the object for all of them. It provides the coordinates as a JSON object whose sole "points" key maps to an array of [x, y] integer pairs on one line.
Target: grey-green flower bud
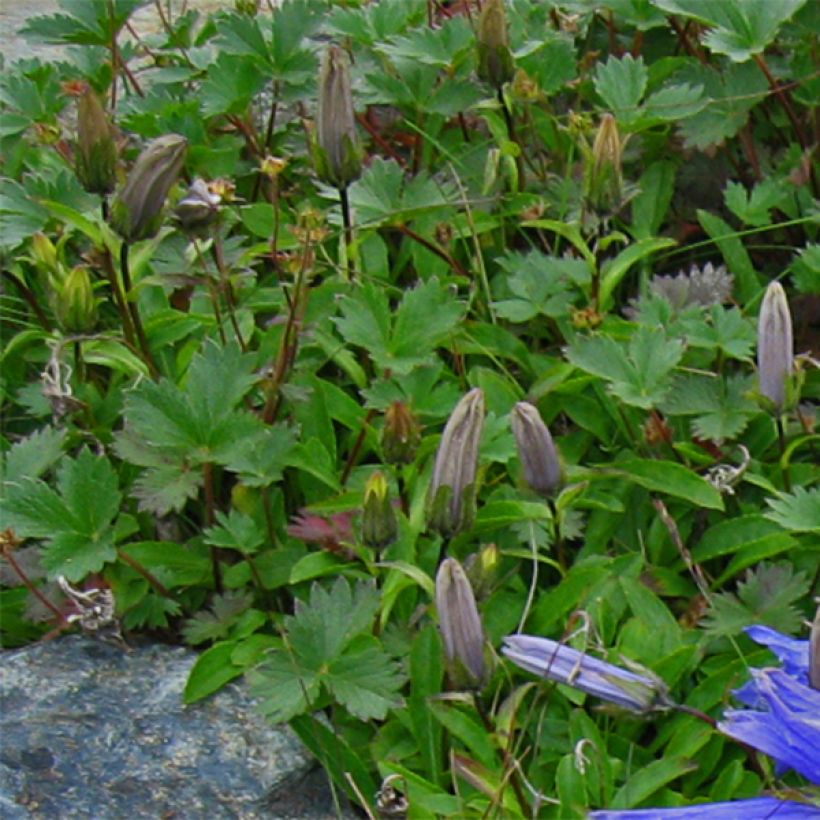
{"points": [[137, 208], [536, 449], [452, 494], [461, 628], [379, 524], [495, 61], [199, 207], [96, 158], [338, 159], [603, 177], [74, 303], [775, 349]]}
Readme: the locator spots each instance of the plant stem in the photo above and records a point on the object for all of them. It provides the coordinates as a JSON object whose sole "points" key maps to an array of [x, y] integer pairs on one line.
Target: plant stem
{"points": [[784, 463], [433, 248], [508, 119], [31, 587], [31, 300], [348, 229], [145, 573], [133, 309], [357, 446], [210, 517]]}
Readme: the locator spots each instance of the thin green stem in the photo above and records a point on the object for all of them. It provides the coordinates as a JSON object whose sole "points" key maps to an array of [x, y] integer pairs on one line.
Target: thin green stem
{"points": [[348, 230], [784, 461], [133, 310]]}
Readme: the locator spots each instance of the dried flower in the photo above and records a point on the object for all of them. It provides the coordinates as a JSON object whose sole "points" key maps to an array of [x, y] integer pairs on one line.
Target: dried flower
{"points": [[96, 162], [338, 160], [542, 467], [495, 61], [561, 663], [379, 525], [775, 349], [461, 628], [603, 181], [401, 434], [451, 498], [199, 207], [136, 210]]}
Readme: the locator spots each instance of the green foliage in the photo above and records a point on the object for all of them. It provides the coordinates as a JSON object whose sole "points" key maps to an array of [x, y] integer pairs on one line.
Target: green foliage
{"points": [[204, 446]]}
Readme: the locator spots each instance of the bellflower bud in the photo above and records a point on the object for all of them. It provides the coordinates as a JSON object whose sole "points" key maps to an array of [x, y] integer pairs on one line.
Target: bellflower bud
{"points": [[542, 467], [495, 62], [74, 303], [401, 434], [558, 662], [137, 208], [199, 207], [481, 568], [379, 525], [338, 161], [452, 494], [603, 182], [461, 628], [775, 349], [96, 163]]}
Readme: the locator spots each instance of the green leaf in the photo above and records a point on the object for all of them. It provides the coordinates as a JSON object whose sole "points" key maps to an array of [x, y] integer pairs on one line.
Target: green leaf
{"points": [[739, 29], [621, 84], [755, 208], [639, 373], [32, 456], [798, 511], [76, 521], [217, 622], [649, 779], [614, 271], [671, 478], [734, 253], [212, 670], [650, 206]]}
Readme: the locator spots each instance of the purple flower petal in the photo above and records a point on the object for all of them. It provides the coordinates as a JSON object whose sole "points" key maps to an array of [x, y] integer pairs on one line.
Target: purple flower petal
{"points": [[758, 808], [792, 653]]}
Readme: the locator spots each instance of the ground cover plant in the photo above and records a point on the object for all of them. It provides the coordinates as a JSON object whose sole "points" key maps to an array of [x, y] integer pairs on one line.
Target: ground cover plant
{"points": [[449, 369]]}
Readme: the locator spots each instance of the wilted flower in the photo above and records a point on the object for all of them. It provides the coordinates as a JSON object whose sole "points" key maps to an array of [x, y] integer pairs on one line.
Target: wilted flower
{"points": [[74, 302], [337, 152], [603, 180], [135, 212], [401, 434], [379, 525], [495, 62], [461, 628], [757, 808], [96, 162], [775, 349], [558, 662], [451, 498], [199, 207], [542, 467]]}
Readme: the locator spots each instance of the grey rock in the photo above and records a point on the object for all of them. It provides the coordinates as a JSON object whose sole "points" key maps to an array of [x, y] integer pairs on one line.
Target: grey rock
{"points": [[88, 730]]}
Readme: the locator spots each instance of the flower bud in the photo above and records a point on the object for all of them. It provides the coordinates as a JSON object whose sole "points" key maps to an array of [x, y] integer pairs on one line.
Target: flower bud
{"points": [[74, 303], [338, 161], [539, 458], [814, 652], [379, 525], [44, 253], [401, 434], [775, 349], [603, 183], [452, 494], [495, 62], [199, 207], [137, 208], [96, 162], [461, 628], [481, 568]]}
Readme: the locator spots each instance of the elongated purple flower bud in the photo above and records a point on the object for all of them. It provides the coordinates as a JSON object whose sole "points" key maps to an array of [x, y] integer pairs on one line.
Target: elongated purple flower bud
{"points": [[775, 348], [137, 208], [561, 663], [451, 498], [495, 61], [461, 628], [536, 449]]}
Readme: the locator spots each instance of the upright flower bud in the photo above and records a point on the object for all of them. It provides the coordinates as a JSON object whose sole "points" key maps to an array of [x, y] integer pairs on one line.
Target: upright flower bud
{"points": [[775, 349], [401, 434], [814, 652], [495, 62], [96, 162], [461, 628], [137, 208], [482, 568], [452, 494], [603, 182], [199, 207], [539, 458], [74, 303], [338, 161], [379, 525]]}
